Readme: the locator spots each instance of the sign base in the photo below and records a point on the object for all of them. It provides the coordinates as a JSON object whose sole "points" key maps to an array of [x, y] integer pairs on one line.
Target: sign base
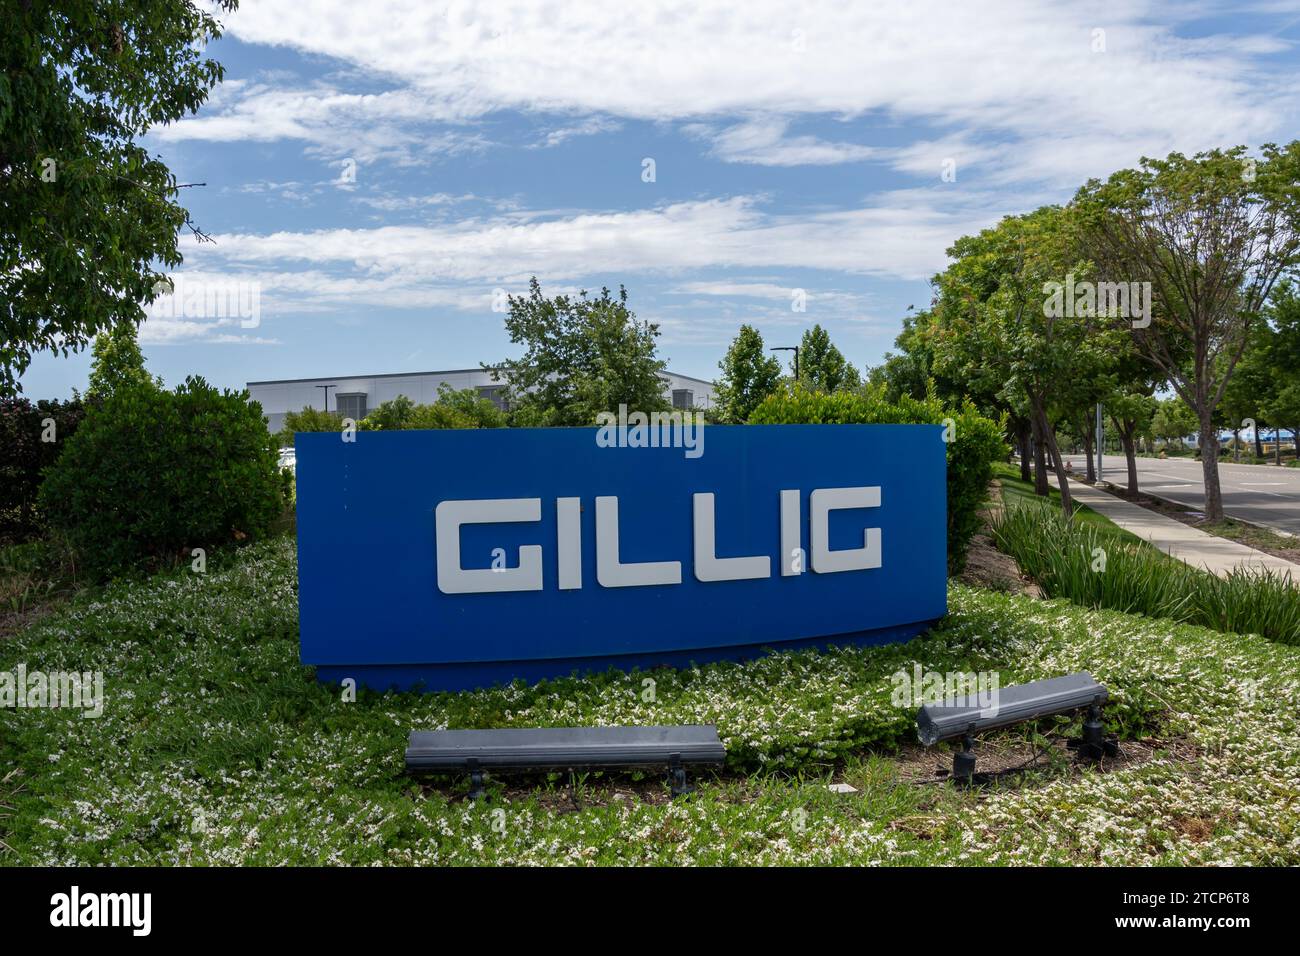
{"points": [[477, 675]]}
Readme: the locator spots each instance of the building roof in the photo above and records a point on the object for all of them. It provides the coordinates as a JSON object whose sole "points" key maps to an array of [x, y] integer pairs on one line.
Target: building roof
{"points": [[445, 371]]}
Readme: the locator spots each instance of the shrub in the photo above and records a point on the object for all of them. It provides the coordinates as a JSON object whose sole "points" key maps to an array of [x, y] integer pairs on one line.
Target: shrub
{"points": [[437, 415], [453, 409], [976, 443], [31, 439], [151, 474], [389, 416], [1087, 565], [479, 411], [308, 420]]}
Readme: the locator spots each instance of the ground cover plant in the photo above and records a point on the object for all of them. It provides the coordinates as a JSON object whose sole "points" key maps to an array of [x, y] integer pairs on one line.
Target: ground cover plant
{"points": [[216, 746]]}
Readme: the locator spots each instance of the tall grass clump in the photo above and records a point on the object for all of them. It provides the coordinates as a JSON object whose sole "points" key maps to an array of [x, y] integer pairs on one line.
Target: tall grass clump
{"points": [[1099, 568]]}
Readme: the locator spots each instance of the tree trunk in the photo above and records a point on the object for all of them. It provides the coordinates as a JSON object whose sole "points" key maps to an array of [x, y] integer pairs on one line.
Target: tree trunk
{"points": [[1022, 441], [1236, 444], [1259, 449], [1049, 439], [1091, 470], [1277, 446], [1210, 465], [1130, 452], [1040, 458]]}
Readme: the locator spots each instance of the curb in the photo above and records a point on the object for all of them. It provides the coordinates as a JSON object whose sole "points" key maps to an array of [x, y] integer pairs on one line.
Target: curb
{"points": [[1178, 504]]}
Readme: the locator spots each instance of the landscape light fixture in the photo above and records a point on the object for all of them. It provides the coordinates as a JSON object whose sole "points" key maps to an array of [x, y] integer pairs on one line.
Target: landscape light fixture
{"points": [[789, 348], [327, 394], [565, 748], [964, 716]]}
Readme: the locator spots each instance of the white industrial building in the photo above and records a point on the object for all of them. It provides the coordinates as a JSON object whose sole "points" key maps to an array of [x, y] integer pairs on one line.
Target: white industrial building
{"points": [[355, 396]]}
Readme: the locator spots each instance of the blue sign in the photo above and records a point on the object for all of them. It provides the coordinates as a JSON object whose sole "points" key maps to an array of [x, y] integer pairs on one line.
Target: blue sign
{"points": [[461, 558]]}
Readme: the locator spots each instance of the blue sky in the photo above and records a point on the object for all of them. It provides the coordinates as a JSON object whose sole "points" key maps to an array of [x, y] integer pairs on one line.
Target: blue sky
{"points": [[795, 146]]}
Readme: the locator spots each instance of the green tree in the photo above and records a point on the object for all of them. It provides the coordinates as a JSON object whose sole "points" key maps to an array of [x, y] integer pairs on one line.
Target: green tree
{"points": [[1211, 234], [85, 212], [749, 375], [1173, 420], [1283, 318], [1252, 387], [1283, 411], [912, 371], [437, 415], [308, 420], [478, 411], [453, 409], [1281, 357], [389, 416], [999, 332], [1131, 409], [901, 373], [117, 362], [582, 356], [822, 367], [1077, 421]]}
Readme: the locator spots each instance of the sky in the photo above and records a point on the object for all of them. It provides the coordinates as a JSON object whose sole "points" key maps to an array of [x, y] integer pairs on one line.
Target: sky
{"points": [[378, 176]]}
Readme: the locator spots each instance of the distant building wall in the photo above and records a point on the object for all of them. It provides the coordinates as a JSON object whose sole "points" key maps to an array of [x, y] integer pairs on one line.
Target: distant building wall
{"points": [[361, 393]]}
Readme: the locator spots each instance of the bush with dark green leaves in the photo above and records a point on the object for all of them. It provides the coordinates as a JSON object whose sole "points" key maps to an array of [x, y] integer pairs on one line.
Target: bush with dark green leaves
{"points": [[308, 420], [973, 441], [152, 474], [32, 435], [453, 409]]}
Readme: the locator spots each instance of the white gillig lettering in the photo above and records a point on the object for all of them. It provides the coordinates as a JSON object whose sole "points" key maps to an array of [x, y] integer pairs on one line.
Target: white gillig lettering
{"points": [[454, 579], [791, 517], [568, 541], [614, 573], [708, 566], [820, 504], [610, 572]]}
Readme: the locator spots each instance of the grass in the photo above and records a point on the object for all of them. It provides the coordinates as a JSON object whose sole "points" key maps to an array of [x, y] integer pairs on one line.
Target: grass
{"points": [[1262, 539], [1253, 536], [217, 747], [1016, 491]]}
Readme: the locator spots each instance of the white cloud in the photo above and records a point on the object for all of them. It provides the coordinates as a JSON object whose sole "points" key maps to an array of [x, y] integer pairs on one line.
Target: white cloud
{"points": [[458, 266], [397, 125], [763, 142], [175, 332], [395, 203], [900, 235], [1014, 95], [1024, 74], [755, 290], [590, 126]]}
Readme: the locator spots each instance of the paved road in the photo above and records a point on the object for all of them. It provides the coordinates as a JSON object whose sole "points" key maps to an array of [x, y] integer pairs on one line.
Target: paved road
{"points": [[1260, 493]]}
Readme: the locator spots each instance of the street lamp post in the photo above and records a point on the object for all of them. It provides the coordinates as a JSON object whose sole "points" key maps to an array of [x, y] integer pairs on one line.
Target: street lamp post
{"points": [[1101, 437], [789, 348]]}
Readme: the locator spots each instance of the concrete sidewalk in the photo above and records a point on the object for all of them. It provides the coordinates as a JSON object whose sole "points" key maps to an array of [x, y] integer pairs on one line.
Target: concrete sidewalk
{"points": [[1190, 545]]}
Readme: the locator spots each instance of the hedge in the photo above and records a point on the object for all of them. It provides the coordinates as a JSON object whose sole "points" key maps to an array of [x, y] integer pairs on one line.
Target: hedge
{"points": [[32, 435]]}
